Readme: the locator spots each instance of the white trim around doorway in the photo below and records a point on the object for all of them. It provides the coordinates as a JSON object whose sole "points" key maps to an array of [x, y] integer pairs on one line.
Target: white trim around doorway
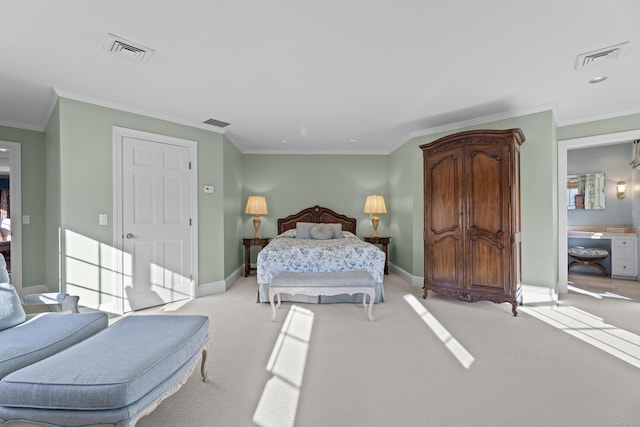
{"points": [[563, 146], [15, 200]]}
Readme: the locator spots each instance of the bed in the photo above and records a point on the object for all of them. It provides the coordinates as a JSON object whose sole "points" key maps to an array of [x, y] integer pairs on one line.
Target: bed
{"points": [[288, 253]]}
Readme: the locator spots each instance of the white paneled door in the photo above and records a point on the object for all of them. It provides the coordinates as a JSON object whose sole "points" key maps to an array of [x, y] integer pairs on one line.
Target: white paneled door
{"points": [[156, 223]]}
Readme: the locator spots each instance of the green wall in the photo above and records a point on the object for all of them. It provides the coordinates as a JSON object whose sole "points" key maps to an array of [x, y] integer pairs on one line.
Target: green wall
{"points": [[32, 177], [406, 196], [86, 181], [600, 127], [295, 182], [233, 181], [538, 201]]}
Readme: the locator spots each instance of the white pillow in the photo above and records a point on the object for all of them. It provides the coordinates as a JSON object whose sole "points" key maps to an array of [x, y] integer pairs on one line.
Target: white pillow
{"points": [[337, 230], [303, 230], [321, 232]]}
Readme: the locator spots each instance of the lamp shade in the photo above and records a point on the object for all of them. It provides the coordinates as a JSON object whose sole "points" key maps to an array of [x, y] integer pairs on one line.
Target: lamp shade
{"points": [[375, 205], [256, 205]]}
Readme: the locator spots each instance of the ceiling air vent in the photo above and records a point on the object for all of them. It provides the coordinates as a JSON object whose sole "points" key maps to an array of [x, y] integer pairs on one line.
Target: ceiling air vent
{"points": [[218, 123], [600, 55], [127, 49]]}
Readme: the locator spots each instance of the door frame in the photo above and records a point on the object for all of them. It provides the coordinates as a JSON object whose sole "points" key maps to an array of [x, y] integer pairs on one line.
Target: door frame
{"points": [[563, 146], [15, 199], [118, 234]]}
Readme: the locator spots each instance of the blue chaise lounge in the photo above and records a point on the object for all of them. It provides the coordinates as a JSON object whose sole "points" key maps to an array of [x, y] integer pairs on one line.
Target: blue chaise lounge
{"points": [[72, 369]]}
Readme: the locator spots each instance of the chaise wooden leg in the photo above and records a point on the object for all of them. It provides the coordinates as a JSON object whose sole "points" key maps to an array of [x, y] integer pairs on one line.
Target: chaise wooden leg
{"points": [[73, 300], [205, 375]]}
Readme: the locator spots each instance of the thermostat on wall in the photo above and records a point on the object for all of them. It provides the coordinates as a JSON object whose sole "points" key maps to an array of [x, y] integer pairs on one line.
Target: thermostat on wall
{"points": [[209, 188]]}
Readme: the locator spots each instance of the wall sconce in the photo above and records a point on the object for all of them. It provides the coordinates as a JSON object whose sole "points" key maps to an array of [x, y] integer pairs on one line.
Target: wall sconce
{"points": [[256, 205], [375, 205], [621, 189]]}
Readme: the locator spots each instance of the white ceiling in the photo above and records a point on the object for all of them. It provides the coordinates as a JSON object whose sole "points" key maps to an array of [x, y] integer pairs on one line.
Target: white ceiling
{"points": [[319, 74]]}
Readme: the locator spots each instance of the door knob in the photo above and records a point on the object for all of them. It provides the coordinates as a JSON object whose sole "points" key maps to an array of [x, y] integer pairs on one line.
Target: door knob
{"points": [[129, 236]]}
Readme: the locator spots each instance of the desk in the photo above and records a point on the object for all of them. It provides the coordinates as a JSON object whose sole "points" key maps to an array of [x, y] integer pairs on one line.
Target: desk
{"points": [[623, 243]]}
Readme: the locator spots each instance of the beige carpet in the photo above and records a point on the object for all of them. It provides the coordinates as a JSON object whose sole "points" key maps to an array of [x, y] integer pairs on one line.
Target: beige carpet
{"points": [[332, 367]]}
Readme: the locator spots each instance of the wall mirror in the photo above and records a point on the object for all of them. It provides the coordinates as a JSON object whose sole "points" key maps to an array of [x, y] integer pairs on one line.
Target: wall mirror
{"points": [[586, 191]]}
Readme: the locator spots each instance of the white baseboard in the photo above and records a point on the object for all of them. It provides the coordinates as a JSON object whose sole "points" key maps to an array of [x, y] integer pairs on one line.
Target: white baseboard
{"points": [[415, 281], [538, 295], [221, 286], [35, 289]]}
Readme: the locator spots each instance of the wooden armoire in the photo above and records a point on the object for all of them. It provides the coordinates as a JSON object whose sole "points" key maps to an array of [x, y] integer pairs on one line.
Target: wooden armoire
{"points": [[472, 216]]}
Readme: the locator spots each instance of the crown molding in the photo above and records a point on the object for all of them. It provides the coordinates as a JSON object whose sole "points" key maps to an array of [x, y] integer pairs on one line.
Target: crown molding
{"points": [[63, 93], [599, 117], [20, 125], [486, 119], [52, 101]]}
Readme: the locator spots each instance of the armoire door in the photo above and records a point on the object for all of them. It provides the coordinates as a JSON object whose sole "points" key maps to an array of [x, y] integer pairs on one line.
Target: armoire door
{"points": [[488, 232], [444, 239]]}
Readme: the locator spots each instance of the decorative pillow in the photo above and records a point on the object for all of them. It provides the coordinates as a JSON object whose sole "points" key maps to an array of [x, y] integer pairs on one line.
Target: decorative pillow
{"points": [[337, 230], [4, 274], [11, 311], [321, 232], [303, 230]]}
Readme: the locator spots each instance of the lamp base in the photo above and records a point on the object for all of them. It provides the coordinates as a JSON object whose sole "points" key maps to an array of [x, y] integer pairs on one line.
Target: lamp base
{"points": [[374, 222], [256, 227]]}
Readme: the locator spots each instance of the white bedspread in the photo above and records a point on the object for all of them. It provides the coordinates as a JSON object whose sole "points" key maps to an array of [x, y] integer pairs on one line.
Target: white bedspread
{"points": [[286, 253]]}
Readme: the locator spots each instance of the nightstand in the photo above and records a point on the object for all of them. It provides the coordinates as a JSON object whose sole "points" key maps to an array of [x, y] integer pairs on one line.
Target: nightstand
{"points": [[247, 243], [384, 242]]}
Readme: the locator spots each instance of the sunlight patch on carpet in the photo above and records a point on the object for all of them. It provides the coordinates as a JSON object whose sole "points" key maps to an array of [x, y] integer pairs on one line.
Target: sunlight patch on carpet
{"points": [[461, 354], [594, 294], [591, 329], [279, 401]]}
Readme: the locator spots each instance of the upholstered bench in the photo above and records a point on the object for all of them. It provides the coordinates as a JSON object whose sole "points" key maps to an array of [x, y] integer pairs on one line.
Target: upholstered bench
{"points": [[588, 256], [112, 378], [320, 284]]}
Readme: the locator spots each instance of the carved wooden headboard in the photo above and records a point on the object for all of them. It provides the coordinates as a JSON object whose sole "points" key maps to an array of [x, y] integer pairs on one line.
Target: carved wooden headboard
{"points": [[317, 214]]}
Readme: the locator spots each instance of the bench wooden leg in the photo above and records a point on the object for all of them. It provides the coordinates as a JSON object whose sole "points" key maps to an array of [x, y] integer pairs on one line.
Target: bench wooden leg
{"points": [[272, 293], [372, 296]]}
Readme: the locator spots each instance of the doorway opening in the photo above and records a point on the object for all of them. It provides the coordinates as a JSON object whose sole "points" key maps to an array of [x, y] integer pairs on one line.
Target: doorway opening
{"points": [[598, 286], [10, 211]]}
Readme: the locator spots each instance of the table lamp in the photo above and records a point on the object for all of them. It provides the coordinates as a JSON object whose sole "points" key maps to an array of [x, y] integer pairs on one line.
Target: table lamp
{"points": [[256, 205], [374, 205]]}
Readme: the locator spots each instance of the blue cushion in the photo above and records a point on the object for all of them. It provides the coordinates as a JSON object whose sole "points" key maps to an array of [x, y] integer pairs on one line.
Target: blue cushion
{"points": [[112, 369], [120, 416], [11, 311], [342, 279], [44, 335], [4, 274]]}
